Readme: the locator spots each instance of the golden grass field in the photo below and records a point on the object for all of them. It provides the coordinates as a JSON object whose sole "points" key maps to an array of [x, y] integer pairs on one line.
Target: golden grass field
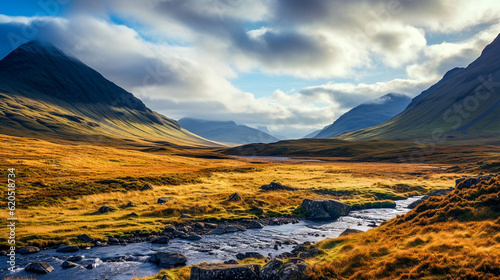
{"points": [[61, 185]]}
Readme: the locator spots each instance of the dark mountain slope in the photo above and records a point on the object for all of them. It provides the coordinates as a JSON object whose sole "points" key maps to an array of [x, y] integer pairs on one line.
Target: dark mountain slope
{"points": [[368, 114], [44, 92]]}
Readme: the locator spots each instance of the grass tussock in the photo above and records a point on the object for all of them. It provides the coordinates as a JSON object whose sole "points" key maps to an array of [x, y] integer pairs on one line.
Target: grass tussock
{"points": [[449, 237]]}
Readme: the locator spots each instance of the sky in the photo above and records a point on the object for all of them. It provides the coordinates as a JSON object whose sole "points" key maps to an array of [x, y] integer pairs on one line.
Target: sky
{"points": [[292, 66]]}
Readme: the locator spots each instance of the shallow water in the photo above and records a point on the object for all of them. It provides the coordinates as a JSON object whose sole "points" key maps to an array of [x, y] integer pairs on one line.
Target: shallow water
{"points": [[212, 248]]}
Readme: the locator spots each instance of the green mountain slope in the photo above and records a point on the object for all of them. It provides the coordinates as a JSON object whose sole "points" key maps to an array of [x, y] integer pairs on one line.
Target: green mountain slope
{"points": [[464, 105]]}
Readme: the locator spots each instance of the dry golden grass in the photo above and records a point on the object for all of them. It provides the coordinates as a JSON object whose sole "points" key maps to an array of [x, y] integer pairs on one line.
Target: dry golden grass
{"points": [[61, 185], [451, 237]]}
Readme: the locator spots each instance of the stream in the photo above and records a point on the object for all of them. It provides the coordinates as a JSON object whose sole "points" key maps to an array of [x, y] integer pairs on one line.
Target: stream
{"points": [[123, 262]]}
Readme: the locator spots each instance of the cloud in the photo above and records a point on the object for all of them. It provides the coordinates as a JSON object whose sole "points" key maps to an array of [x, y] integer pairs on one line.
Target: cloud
{"points": [[439, 58], [181, 56]]}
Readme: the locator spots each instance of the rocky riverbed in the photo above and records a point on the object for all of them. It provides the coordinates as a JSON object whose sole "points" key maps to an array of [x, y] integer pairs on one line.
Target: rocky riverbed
{"points": [[198, 242]]}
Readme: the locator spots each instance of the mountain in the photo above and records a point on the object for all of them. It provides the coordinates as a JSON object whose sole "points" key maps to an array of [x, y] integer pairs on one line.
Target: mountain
{"points": [[227, 132], [44, 92], [464, 105], [368, 114], [266, 130], [312, 134]]}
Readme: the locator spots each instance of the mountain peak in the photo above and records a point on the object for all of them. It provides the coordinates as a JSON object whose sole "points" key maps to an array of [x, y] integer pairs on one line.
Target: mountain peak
{"points": [[37, 48], [493, 46], [42, 66]]}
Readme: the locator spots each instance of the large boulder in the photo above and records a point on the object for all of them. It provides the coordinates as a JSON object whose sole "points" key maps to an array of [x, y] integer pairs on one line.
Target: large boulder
{"points": [[250, 255], [168, 259], [67, 248], [225, 271], [326, 209], [29, 250], [270, 270], [84, 238], [465, 183], [292, 271], [39, 267]]}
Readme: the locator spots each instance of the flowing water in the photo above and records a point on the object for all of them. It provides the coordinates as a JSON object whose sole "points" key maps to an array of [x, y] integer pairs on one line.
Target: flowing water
{"points": [[128, 261]]}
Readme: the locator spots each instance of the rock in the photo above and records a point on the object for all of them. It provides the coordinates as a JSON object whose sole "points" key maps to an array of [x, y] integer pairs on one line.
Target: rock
{"points": [[291, 271], [168, 259], [162, 200], [372, 224], [69, 264], [250, 255], [289, 242], [350, 231], [258, 210], [75, 258], [84, 238], [275, 186], [217, 231], [67, 248], [231, 262], [253, 224], [225, 271], [169, 229], [186, 216], [210, 225], [199, 225], [106, 209], [325, 208], [465, 183], [234, 197], [179, 234], [29, 250], [194, 237], [133, 215], [270, 270], [130, 204], [113, 241], [230, 229], [434, 193], [39, 267], [147, 187], [161, 240], [314, 251], [277, 245], [91, 266]]}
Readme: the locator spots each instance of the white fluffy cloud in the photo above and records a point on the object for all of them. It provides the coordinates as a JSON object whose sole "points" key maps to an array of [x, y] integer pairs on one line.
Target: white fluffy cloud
{"points": [[181, 56]]}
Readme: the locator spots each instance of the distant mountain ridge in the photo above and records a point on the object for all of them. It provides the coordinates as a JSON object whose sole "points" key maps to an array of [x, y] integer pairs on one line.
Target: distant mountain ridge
{"points": [[463, 105], [226, 131], [46, 92], [368, 114]]}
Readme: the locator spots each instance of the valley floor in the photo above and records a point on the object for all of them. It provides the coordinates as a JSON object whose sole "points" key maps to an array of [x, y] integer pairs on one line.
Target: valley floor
{"points": [[62, 185]]}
